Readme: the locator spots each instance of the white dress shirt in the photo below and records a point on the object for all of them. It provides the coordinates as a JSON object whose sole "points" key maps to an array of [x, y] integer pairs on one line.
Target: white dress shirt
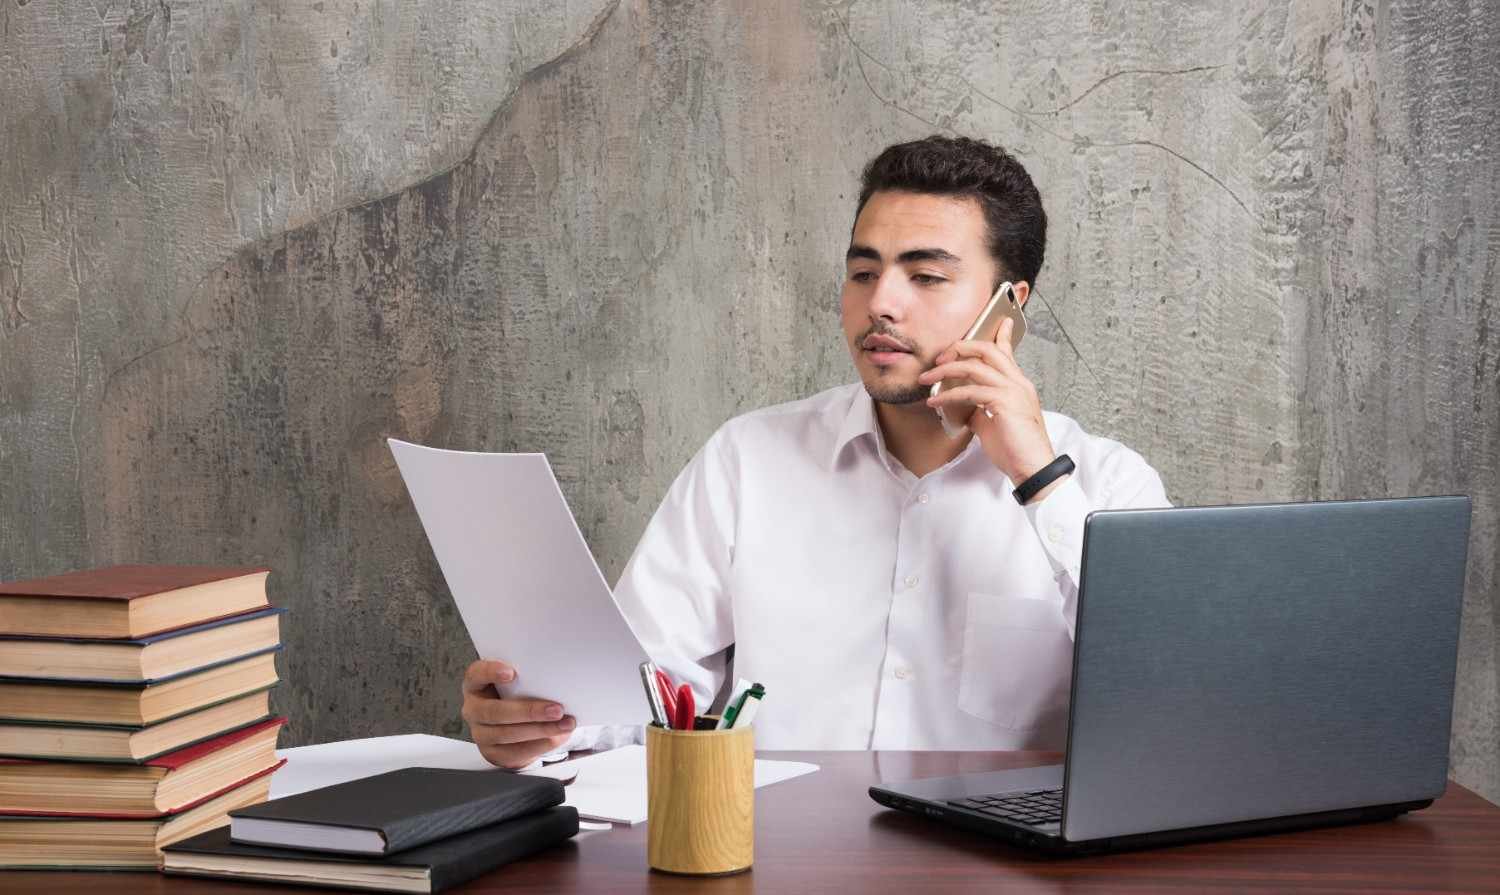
{"points": [[879, 609]]}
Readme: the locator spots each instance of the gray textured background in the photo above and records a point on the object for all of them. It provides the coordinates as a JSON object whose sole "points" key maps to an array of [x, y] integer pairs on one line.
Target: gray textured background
{"points": [[240, 242]]}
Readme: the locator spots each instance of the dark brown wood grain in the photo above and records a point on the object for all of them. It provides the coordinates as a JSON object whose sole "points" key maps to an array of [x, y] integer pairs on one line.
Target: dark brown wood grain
{"points": [[822, 833]]}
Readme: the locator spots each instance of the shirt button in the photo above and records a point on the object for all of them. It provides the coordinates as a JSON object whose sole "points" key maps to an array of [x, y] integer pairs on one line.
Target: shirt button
{"points": [[1055, 534], [923, 498], [903, 673], [911, 581]]}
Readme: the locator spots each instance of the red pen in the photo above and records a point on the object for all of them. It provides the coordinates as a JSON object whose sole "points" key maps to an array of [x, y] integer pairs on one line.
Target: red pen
{"points": [[686, 710], [668, 699]]}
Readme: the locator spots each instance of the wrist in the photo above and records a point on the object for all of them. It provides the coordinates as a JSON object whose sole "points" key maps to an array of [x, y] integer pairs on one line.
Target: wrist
{"points": [[1030, 467], [1042, 494], [1041, 482]]}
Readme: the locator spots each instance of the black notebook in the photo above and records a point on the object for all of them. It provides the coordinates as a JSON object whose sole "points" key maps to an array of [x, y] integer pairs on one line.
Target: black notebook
{"points": [[393, 811], [427, 868]]}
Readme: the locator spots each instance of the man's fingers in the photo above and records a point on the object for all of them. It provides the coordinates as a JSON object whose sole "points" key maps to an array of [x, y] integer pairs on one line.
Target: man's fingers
{"points": [[484, 672], [479, 709], [978, 395], [1002, 338], [519, 755], [507, 734], [973, 369], [1000, 358], [1003, 335]]}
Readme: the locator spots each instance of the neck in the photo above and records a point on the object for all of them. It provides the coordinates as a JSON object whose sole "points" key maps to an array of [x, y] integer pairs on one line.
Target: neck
{"points": [[914, 435]]}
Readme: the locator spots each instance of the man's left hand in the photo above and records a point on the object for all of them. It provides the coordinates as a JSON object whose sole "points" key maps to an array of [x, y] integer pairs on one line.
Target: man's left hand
{"points": [[1015, 438]]}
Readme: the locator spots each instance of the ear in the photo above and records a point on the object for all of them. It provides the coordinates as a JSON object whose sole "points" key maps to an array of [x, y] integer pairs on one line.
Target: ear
{"points": [[1023, 292]]}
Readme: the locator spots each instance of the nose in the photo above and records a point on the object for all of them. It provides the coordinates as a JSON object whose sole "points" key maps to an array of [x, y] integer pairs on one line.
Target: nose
{"points": [[891, 297]]}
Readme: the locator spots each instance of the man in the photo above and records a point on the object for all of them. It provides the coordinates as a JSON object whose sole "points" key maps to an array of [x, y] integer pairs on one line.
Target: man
{"points": [[878, 577]]}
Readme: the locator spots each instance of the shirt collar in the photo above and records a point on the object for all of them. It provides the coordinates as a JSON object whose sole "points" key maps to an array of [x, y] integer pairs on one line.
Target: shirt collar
{"points": [[859, 419]]}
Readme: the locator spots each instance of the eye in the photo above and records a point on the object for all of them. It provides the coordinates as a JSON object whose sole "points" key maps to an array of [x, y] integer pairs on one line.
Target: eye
{"points": [[861, 276], [927, 279]]}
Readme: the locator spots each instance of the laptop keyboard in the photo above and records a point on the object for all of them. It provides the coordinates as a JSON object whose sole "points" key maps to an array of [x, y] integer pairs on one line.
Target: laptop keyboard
{"points": [[1039, 806]]}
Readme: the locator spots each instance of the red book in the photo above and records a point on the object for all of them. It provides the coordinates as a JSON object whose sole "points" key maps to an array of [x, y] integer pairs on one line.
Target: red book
{"points": [[128, 601], [166, 785]]}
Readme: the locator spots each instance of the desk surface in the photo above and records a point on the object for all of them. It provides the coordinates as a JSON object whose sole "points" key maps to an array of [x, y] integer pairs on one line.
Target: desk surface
{"points": [[822, 833]]}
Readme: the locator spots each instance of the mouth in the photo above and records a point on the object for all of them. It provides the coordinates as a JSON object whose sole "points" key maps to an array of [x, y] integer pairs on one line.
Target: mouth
{"points": [[884, 351]]}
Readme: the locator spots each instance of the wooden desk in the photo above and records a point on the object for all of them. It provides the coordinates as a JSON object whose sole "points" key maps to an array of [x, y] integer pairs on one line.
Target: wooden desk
{"points": [[822, 833]]}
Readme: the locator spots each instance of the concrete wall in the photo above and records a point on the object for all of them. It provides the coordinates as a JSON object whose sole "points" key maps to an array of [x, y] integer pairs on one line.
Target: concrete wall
{"points": [[240, 243]]}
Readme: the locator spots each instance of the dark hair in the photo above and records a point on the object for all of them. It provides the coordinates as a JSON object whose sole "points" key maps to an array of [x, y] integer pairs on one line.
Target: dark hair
{"points": [[1015, 224]]}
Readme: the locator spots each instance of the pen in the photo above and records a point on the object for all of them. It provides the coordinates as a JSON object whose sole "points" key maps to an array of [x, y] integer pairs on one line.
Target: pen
{"points": [[686, 710], [748, 706], [668, 697], [732, 704], [732, 711], [653, 695]]}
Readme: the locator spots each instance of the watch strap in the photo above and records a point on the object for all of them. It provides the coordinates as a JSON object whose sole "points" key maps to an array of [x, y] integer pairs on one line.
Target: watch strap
{"points": [[1043, 477]]}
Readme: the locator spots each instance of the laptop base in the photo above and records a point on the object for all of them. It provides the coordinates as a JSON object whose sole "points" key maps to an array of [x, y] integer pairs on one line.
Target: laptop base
{"points": [[1052, 845]]}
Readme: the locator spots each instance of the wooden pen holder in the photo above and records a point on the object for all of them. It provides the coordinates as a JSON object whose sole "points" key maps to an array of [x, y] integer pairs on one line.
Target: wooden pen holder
{"points": [[700, 800]]}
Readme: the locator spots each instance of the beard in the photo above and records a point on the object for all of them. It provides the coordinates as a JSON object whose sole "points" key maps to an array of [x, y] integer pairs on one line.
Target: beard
{"points": [[882, 390], [897, 393]]}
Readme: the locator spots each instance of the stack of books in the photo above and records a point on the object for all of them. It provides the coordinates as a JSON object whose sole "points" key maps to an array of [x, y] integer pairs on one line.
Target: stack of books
{"points": [[134, 711], [411, 830]]}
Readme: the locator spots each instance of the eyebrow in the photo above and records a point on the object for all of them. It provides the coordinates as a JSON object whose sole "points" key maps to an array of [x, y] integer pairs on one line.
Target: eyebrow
{"points": [[910, 255]]}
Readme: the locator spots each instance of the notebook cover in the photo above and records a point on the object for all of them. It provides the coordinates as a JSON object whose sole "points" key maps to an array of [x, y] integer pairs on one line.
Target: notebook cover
{"points": [[132, 685], [176, 759], [413, 806], [194, 628], [122, 582], [158, 815], [450, 861]]}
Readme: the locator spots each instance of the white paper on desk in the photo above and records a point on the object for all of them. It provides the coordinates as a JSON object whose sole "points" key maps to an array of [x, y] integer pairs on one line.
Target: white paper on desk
{"points": [[314, 767], [526, 584], [612, 785]]}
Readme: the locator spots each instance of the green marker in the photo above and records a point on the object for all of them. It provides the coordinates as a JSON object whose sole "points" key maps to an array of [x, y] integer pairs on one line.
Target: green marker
{"points": [[732, 704], [748, 706], [732, 712]]}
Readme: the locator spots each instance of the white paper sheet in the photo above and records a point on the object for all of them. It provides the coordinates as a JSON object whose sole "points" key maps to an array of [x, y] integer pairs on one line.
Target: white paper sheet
{"points": [[526, 584], [612, 785], [314, 767], [607, 786]]}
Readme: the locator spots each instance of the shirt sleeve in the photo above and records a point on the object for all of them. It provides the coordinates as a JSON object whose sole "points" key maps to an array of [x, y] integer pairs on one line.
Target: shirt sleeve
{"points": [[1119, 479], [674, 590]]}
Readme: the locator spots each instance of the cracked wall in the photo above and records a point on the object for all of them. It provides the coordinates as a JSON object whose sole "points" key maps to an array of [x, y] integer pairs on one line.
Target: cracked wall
{"points": [[240, 244]]}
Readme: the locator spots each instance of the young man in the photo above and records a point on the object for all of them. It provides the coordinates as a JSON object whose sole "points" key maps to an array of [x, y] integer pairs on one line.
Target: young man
{"points": [[878, 577]]}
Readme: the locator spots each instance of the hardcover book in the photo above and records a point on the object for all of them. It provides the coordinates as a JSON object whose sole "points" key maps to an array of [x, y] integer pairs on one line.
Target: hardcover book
{"points": [[393, 811], [427, 868], [128, 601], [143, 660], [96, 742], [166, 784], [78, 843]]}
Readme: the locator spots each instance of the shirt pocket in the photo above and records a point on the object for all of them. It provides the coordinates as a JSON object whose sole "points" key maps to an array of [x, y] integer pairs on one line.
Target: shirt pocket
{"points": [[1017, 663]]}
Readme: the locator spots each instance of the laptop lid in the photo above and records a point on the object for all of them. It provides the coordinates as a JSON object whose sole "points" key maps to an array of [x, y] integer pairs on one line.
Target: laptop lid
{"points": [[1244, 662]]}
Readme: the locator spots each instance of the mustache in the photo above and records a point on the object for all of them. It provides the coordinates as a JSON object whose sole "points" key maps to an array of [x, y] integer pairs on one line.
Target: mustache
{"points": [[883, 331]]}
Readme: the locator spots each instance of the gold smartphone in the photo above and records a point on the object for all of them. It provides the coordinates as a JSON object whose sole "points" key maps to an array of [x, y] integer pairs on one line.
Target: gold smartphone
{"points": [[986, 326]]}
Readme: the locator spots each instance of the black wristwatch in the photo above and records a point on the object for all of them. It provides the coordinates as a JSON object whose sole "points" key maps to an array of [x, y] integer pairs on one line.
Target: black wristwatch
{"points": [[1042, 478]]}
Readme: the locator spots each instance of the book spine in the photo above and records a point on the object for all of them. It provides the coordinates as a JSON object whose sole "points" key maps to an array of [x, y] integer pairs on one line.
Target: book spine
{"points": [[541, 830], [409, 832]]}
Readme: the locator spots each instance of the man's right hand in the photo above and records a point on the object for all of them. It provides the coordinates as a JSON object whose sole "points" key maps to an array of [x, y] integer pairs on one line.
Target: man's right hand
{"points": [[511, 733]]}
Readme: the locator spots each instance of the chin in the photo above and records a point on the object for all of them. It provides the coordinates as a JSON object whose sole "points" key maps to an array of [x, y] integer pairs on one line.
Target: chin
{"points": [[897, 392]]}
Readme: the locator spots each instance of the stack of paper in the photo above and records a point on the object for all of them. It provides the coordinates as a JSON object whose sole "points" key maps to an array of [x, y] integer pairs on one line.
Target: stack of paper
{"points": [[606, 786], [612, 785]]}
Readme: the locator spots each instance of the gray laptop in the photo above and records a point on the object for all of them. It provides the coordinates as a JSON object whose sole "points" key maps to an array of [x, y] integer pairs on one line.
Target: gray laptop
{"points": [[1240, 670]]}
